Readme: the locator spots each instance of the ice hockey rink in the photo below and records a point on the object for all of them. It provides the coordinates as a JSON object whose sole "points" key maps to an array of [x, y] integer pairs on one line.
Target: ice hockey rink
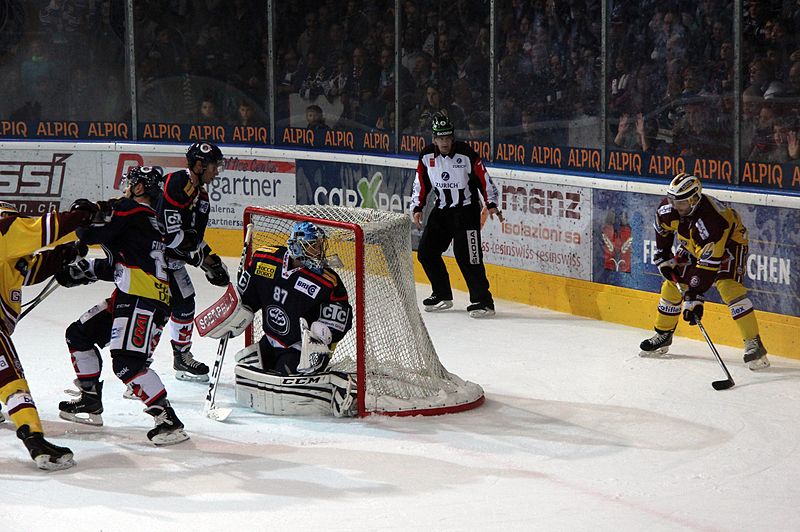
{"points": [[577, 433]]}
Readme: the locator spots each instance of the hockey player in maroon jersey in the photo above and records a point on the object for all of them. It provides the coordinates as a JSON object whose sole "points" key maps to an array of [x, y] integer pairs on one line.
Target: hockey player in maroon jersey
{"points": [[183, 212], [131, 320], [20, 264], [457, 177], [711, 250]]}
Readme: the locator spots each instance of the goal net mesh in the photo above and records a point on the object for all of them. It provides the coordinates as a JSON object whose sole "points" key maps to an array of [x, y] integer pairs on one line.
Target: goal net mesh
{"points": [[402, 373]]}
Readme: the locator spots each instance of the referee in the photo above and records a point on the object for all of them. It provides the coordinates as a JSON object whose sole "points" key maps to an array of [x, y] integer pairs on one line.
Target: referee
{"points": [[457, 177]]}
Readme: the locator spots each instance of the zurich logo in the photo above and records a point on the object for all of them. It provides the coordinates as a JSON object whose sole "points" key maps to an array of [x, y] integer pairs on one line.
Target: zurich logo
{"points": [[445, 176], [458, 160]]}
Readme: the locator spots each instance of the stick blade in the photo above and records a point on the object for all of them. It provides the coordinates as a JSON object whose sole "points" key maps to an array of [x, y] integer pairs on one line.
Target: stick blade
{"points": [[723, 385], [219, 414]]}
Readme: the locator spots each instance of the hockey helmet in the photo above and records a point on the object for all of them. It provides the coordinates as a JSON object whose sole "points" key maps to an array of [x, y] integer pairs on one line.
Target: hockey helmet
{"points": [[441, 125], [152, 177], [7, 209], [308, 243], [684, 193], [205, 152]]}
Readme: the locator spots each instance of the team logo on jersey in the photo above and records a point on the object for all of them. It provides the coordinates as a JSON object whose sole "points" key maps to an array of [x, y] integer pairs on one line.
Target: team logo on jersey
{"points": [[277, 320], [445, 176], [266, 270], [432, 162], [15, 295], [204, 207], [307, 287], [701, 228], [244, 280], [172, 219]]}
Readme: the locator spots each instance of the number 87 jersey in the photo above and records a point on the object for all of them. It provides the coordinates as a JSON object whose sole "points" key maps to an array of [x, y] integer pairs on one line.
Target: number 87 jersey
{"points": [[285, 294]]}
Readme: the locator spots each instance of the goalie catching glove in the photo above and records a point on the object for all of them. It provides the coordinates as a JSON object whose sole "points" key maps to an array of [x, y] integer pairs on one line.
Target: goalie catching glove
{"points": [[315, 352]]}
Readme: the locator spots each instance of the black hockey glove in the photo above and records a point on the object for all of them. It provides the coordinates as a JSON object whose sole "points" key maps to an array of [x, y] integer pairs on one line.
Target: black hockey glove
{"points": [[667, 264], [693, 308], [71, 251], [99, 213], [216, 271], [78, 273]]}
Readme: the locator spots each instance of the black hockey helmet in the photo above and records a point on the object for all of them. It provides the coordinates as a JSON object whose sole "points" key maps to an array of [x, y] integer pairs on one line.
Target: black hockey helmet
{"points": [[152, 177], [205, 152], [441, 125]]}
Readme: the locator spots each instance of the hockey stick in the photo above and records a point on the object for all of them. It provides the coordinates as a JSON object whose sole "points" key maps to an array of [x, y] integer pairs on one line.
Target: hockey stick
{"points": [[209, 410], [48, 289], [717, 385]]}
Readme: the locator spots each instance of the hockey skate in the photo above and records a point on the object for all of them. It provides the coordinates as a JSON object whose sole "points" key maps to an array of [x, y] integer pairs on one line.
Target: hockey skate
{"points": [[46, 455], [187, 368], [85, 409], [168, 429], [481, 310], [657, 345], [435, 303], [755, 354]]}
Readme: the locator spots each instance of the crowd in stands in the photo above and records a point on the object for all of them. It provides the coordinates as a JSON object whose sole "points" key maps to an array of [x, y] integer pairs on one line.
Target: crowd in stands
{"points": [[670, 65]]}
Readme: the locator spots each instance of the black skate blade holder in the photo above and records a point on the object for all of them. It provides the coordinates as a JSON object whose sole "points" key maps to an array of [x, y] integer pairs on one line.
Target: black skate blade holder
{"points": [[717, 385]]}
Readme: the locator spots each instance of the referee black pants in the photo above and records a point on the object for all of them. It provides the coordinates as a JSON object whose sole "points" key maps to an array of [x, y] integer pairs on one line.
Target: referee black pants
{"points": [[462, 227]]}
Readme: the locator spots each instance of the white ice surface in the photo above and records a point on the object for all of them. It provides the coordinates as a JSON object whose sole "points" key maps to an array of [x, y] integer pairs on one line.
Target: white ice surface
{"points": [[577, 433]]}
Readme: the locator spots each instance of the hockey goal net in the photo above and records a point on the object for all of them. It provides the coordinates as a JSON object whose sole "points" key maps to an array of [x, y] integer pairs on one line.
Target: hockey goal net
{"points": [[388, 349]]}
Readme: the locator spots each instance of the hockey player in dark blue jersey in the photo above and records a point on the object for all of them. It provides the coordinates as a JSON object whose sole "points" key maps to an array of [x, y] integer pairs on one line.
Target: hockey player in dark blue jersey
{"points": [[131, 320], [305, 312], [293, 288], [183, 212]]}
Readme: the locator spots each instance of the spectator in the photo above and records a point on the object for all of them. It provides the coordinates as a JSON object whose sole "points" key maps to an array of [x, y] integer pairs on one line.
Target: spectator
{"points": [[207, 111], [316, 123]]}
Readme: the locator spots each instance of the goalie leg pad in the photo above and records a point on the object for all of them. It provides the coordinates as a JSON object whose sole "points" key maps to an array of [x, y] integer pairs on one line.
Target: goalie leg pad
{"points": [[250, 356], [343, 394], [297, 395]]}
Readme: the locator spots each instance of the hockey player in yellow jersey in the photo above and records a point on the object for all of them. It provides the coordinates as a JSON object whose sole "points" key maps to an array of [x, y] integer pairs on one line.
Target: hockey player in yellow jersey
{"points": [[711, 251], [20, 264]]}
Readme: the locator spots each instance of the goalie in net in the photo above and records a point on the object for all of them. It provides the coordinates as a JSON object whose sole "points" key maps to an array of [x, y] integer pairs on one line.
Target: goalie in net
{"points": [[305, 311]]}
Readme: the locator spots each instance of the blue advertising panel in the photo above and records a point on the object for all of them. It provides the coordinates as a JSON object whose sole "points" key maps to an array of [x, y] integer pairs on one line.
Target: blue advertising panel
{"points": [[624, 244]]}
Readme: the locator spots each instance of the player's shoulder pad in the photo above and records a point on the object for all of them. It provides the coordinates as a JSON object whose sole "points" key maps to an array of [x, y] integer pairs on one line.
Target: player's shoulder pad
{"points": [[126, 206], [269, 251], [331, 276], [462, 147], [430, 149], [666, 212]]}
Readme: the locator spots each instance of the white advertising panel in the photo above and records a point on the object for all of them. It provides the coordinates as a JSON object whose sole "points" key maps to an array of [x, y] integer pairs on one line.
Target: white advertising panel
{"points": [[38, 180], [547, 229]]}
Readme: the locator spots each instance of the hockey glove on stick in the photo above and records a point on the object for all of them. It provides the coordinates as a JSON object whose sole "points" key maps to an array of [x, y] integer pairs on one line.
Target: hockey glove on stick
{"points": [[693, 308], [80, 272], [215, 270]]}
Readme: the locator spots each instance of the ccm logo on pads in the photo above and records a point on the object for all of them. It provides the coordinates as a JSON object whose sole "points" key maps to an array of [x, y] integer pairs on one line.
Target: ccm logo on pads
{"points": [[307, 287]]}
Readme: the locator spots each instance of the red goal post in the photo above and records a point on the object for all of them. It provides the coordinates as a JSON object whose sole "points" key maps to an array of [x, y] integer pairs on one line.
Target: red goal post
{"points": [[388, 349]]}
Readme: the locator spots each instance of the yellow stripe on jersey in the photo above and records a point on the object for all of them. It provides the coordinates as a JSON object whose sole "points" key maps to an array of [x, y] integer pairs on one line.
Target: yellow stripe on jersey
{"points": [[137, 282]]}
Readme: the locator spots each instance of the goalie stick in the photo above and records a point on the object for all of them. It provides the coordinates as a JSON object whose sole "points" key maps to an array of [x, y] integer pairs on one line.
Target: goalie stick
{"points": [[209, 410], [717, 385]]}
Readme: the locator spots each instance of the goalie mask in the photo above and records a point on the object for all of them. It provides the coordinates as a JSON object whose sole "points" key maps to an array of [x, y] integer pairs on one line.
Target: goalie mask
{"points": [[684, 193], [308, 244], [152, 177]]}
